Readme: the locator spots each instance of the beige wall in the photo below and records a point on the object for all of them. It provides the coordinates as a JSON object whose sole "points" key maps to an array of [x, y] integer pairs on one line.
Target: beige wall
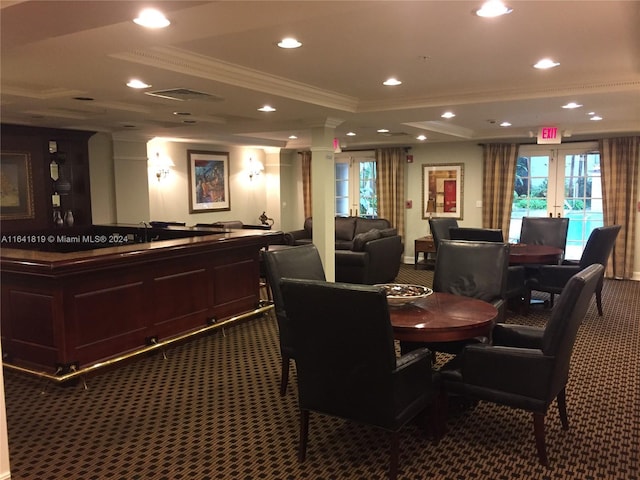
{"points": [[132, 193]]}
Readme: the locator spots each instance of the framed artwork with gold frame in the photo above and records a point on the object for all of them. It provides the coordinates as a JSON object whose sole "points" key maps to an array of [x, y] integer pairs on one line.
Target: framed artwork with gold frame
{"points": [[442, 188], [16, 186]]}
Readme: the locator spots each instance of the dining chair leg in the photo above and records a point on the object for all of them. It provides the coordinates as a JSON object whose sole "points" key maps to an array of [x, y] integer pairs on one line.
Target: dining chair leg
{"points": [[394, 454], [304, 434], [538, 430], [284, 375], [599, 301], [562, 409]]}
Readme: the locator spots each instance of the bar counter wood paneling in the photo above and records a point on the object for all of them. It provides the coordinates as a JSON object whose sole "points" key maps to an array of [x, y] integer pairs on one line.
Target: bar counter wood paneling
{"points": [[65, 311]]}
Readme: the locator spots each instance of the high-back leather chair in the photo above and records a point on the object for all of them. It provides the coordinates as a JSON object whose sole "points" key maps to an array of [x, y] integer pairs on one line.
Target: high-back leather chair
{"points": [[294, 262], [440, 229], [545, 231], [553, 278], [527, 367], [346, 361], [515, 287], [470, 269]]}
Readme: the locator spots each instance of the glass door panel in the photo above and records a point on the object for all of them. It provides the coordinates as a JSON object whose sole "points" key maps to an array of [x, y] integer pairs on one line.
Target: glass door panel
{"points": [[356, 193]]}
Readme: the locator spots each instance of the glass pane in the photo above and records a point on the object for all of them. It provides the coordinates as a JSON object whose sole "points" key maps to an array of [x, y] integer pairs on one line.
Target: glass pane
{"points": [[529, 192], [368, 204], [583, 200]]}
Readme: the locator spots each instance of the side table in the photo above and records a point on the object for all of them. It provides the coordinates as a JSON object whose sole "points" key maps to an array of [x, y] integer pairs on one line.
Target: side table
{"points": [[427, 247]]}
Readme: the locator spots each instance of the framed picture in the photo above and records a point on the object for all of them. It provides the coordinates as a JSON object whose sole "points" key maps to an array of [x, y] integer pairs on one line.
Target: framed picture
{"points": [[442, 190], [16, 186], [208, 181]]}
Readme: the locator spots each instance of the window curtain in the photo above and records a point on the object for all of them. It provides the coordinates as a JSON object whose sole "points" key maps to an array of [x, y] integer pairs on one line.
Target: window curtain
{"points": [[390, 186], [306, 182], [499, 174], [619, 159]]}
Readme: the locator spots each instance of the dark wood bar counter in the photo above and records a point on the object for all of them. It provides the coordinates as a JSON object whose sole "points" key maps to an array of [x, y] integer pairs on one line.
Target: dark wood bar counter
{"points": [[62, 312]]}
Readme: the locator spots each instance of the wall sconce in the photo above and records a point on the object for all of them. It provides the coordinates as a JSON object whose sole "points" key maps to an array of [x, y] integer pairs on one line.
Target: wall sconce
{"points": [[161, 165], [255, 168]]}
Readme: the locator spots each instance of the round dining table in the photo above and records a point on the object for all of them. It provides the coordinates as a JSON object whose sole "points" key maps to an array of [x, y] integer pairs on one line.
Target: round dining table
{"points": [[524, 254], [442, 317]]}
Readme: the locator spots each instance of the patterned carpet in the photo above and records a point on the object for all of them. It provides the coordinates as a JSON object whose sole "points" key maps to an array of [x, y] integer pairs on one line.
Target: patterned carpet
{"points": [[211, 409]]}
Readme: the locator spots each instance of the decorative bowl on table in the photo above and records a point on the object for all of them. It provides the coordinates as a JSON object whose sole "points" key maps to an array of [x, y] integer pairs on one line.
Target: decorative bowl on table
{"points": [[401, 293]]}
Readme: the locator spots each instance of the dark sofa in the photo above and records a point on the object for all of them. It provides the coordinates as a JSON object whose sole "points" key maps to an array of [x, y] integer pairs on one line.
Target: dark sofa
{"points": [[368, 251]]}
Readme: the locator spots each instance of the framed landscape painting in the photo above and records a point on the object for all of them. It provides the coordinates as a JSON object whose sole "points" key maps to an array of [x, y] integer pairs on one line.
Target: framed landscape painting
{"points": [[16, 186], [442, 190], [208, 181]]}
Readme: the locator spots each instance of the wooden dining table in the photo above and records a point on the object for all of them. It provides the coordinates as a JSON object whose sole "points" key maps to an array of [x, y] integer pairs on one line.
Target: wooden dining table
{"points": [[524, 254], [442, 317]]}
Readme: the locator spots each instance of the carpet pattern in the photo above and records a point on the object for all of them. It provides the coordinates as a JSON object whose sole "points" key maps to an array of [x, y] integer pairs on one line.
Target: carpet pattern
{"points": [[211, 409]]}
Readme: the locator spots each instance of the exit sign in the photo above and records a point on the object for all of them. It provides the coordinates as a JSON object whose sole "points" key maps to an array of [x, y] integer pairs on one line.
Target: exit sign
{"points": [[548, 135]]}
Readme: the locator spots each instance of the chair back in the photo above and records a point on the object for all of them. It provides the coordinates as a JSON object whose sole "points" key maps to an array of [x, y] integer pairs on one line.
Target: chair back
{"points": [[472, 269], [562, 327], [476, 234], [295, 262], [345, 354], [440, 229], [599, 246], [545, 231]]}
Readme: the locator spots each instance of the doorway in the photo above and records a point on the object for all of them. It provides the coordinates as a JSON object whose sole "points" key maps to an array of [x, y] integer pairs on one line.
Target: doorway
{"points": [[563, 181]]}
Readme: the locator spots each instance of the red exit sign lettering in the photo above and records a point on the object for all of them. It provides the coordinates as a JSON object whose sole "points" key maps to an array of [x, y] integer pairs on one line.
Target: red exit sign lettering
{"points": [[549, 135]]}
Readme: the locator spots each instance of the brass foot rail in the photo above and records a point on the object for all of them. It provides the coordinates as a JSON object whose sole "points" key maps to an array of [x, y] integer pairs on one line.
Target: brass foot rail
{"points": [[149, 348]]}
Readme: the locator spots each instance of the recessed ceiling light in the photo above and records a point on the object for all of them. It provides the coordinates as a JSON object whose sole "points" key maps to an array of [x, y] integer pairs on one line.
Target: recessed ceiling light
{"points": [[596, 118], [351, 134], [189, 122], [84, 99], [392, 82], [292, 137], [448, 115], [571, 105], [289, 43], [545, 64], [383, 130], [152, 18], [267, 108], [493, 8], [135, 83], [422, 138], [182, 113], [505, 124]]}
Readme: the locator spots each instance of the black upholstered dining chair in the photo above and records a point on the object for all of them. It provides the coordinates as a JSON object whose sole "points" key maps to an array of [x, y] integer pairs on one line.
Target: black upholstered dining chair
{"points": [[471, 269], [550, 231], [293, 262], [346, 361], [516, 287], [440, 229], [527, 367], [553, 278]]}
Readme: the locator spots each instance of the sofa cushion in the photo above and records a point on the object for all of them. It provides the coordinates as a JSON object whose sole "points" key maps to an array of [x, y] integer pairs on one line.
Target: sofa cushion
{"points": [[363, 225], [345, 227], [360, 240]]}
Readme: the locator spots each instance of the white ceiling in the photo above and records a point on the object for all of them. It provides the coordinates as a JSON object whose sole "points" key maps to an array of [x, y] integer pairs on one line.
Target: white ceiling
{"points": [[447, 57]]}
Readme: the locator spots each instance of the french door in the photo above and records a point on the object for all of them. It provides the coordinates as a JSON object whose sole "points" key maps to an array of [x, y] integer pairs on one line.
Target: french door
{"points": [[356, 193], [563, 181]]}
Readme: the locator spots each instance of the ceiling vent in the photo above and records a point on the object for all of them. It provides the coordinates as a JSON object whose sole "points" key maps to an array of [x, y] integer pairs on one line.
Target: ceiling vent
{"points": [[394, 134], [184, 94]]}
